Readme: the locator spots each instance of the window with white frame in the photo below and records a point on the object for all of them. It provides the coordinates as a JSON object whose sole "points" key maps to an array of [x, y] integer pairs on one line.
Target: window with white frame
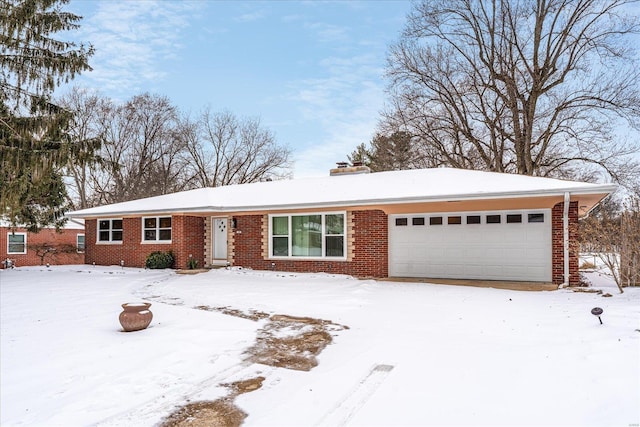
{"points": [[307, 236], [156, 229], [110, 230], [80, 243], [17, 243]]}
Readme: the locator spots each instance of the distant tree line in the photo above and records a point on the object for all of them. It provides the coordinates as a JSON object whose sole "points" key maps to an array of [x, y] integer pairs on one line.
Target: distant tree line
{"points": [[529, 87], [146, 147], [100, 150]]}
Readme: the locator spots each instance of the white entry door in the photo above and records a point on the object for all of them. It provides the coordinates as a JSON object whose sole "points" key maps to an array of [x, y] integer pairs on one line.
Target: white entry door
{"points": [[219, 239]]}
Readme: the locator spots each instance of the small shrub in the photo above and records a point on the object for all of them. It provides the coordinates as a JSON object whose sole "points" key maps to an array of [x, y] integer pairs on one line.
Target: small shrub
{"points": [[158, 259], [192, 264]]}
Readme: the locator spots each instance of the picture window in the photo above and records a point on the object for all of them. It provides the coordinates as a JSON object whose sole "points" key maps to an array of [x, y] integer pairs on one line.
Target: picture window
{"points": [[315, 235]]}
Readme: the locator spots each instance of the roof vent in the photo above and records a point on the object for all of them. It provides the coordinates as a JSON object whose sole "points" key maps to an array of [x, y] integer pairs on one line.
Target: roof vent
{"points": [[343, 168]]}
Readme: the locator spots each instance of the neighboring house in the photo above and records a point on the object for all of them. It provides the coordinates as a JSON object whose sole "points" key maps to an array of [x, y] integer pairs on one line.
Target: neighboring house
{"points": [[24, 248], [431, 223]]}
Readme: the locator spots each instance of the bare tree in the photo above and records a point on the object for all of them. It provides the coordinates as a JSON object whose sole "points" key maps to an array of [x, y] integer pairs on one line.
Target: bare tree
{"points": [[224, 149], [612, 234], [142, 151], [535, 88], [630, 242], [46, 250], [87, 134]]}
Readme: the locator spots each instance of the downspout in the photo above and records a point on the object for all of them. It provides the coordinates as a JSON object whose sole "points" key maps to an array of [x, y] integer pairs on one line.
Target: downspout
{"points": [[565, 229]]}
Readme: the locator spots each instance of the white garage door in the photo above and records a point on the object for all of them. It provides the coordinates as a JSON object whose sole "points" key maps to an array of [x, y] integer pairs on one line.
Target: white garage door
{"points": [[492, 245]]}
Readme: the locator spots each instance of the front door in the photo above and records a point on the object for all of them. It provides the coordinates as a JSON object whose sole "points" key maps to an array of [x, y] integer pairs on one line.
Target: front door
{"points": [[220, 239]]}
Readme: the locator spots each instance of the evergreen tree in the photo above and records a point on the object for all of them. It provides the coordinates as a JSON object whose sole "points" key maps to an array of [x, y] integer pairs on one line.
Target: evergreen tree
{"points": [[394, 151], [361, 154], [34, 139]]}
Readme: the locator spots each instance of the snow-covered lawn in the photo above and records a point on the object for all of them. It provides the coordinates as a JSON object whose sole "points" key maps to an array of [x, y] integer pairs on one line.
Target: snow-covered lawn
{"points": [[414, 353]]}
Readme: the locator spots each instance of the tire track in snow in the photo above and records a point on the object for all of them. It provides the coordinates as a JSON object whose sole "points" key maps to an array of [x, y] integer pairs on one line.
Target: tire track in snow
{"points": [[342, 413], [149, 411]]}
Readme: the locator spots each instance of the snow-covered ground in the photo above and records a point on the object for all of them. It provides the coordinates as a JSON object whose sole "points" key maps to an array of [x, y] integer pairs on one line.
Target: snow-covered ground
{"points": [[414, 353]]}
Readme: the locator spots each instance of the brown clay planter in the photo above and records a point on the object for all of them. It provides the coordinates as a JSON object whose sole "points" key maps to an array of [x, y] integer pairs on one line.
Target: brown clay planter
{"points": [[135, 316]]}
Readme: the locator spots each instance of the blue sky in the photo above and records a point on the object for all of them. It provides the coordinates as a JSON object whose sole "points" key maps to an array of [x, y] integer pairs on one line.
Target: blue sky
{"points": [[311, 71]]}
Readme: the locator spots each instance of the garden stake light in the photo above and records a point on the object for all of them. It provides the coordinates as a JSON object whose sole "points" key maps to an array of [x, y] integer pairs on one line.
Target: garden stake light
{"points": [[597, 311]]}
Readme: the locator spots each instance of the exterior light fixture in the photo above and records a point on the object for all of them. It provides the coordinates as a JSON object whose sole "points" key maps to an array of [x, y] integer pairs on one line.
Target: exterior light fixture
{"points": [[597, 311]]}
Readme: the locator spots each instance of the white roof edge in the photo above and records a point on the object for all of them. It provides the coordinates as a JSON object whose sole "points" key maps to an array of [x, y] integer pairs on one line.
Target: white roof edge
{"points": [[594, 189]]}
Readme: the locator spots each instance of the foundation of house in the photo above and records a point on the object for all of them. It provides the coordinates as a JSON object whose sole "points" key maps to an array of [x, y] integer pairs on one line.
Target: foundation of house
{"points": [[497, 284]]}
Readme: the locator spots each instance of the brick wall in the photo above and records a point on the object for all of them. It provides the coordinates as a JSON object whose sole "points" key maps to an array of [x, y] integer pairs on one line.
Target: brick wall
{"points": [[187, 238], [64, 242], [367, 251], [557, 231], [367, 232]]}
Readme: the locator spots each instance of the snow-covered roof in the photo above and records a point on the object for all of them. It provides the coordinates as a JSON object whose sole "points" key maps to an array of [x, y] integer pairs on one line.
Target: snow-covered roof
{"points": [[406, 186], [71, 224]]}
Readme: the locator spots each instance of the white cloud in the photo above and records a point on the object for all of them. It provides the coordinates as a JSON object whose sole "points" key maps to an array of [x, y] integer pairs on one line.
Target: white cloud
{"points": [[250, 16], [132, 39], [346, 103], [328, 33]]}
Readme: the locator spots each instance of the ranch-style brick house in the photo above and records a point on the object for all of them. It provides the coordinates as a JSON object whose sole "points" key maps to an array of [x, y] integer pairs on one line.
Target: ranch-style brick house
{"points": [[427, 223]]}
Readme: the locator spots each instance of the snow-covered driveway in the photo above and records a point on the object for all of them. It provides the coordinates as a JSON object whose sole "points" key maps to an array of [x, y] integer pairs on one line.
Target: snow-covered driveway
{"points": [[414, 353]]}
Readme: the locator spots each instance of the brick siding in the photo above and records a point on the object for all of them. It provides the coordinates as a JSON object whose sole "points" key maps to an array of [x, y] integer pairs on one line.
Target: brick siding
{"points": [[366, 234], [557, 231], [367, 230], [64, 239], [187, 238]]}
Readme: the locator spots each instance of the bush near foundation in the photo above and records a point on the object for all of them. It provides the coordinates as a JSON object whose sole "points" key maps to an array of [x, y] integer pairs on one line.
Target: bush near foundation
{"points": [[158, 260]]}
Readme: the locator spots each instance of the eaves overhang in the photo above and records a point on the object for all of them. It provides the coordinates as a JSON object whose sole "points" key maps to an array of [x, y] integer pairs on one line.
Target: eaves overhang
{"points": [[602, 189]]}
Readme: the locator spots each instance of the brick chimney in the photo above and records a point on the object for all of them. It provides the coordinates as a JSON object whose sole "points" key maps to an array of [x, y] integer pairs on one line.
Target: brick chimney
{"points": [[343, 168]]}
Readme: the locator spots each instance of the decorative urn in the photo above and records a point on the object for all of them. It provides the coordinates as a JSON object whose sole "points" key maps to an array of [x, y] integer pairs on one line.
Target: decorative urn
{"points": [[135, 316]]}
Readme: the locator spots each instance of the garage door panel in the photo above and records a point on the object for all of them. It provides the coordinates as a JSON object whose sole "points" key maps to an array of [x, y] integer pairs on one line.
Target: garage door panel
{"points": [[473, 270], [502, 251], [512, 237]]}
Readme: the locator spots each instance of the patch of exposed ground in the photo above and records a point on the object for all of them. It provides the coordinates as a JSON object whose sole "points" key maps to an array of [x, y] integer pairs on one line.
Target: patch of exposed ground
{"points": [[244, 386], [285, 342], [254, 315], [292, 342], [219, 413], [192, 271]]}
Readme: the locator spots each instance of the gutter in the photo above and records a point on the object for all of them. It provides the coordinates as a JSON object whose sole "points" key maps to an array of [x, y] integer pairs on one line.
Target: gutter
{"points": [[607, 188], [565, 238]]}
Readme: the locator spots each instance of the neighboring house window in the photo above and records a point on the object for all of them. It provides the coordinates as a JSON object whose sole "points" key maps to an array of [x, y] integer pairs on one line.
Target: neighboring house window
{"points": [[156, 229], [110, 230], [308, 236], [80, 242], [17, 243]]}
